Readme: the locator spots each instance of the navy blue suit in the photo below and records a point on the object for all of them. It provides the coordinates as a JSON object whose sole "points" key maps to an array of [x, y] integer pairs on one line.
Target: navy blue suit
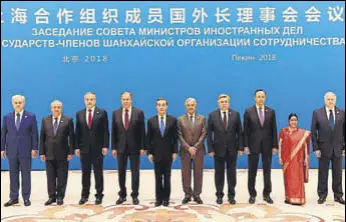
{"points": [[18, 145]]}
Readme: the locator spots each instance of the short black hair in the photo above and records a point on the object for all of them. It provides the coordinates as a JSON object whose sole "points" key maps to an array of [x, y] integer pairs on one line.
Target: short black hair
{"points": [[292, 115], [162, 99], [260, 90]]}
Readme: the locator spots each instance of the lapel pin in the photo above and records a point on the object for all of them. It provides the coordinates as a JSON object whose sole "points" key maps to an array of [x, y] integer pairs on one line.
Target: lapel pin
{"points": [[61, 121], [26, 117], [97, 112]]}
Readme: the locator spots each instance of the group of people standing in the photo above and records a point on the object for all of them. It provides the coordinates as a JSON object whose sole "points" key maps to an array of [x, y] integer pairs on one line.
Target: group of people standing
{"points": [[226, 136]]}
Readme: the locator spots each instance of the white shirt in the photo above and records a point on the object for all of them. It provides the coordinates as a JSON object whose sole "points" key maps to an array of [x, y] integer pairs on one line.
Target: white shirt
{"points": [[193, 118], [222, 116], [328, 113], [20, 117], [130, 111], [164, 120], [87, 114], [53, 120], [263, 111]]}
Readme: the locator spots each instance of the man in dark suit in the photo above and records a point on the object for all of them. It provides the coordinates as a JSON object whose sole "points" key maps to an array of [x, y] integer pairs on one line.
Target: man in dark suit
{"points": [[260, 137], [92, 138], [225, 143], [192, 131], [57, 141], [128, 142], [328, 140], [162, 142], [19, 142]]}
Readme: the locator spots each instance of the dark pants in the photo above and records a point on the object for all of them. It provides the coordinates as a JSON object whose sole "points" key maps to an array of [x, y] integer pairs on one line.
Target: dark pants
{"points": [[186, 168], [122, 166], [88, 162], [24, 165], [163, 170], [253, 166], [323, 170], [231, 162], [57, 173]]}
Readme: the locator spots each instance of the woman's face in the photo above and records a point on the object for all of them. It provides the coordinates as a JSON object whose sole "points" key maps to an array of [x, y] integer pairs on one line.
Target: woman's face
{"points": [[293, 122]]}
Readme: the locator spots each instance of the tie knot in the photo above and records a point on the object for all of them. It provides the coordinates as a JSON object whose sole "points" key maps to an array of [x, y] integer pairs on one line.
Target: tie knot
{"points": [[331, 111], [224, 113], [56, 118], [89, 110], [260, 108], [18, 114], [126, 110], [162, 117]]}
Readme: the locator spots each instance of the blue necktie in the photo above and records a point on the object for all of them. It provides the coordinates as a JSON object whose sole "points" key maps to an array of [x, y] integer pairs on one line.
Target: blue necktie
{"points": [[162, 126], [331, 119], [18, 121], [55, 126]]}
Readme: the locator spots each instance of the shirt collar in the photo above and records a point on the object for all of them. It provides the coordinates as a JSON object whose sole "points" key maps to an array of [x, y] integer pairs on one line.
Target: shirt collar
{"points": [[59, 117], [327, 109], [257, 107], [92, 109], [129, 109], [20, 113], [193, 115]]}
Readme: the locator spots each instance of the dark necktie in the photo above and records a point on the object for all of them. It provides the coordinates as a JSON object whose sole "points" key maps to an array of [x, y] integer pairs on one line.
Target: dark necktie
{"points": [[18, 121], [90, 119], [331, 119], [55, 125], [192, 126], [126, 119], [162, 126], [224, 120], [261, 116]]}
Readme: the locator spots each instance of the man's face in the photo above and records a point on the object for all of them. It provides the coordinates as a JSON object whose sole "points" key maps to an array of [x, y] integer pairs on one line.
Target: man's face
{"points": [[260, 98], [18, 105], [191, 107], [56, 109], [223, 103], [161, 107], [90, 100], [126, 100], [330, 101]]}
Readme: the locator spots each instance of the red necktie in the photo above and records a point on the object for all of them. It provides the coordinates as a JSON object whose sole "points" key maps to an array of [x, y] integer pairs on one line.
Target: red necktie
{"points": [[126, 119], [90, 119]]}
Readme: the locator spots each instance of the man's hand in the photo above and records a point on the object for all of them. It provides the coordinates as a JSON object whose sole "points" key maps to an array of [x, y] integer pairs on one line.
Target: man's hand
{"points": [[274, 151], [115, 153], [240, 153], [151, 158], [77, 152], [192, 150], [3, 154], [247, 150], [174, 156], [104, 151], [142, 152], [212, 154], [280, 161], [43, 157], [343, 153], [69, 157], [318, 154], [33, 153]]}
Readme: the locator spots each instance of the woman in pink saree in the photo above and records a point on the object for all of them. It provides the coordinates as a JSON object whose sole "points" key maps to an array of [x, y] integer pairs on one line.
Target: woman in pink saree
{"points": [[294, 149]]}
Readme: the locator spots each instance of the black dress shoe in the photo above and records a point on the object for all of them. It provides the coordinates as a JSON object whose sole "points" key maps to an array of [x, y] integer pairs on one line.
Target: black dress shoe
{"points": [[50, 201], [165, 203], [186, 200], [135, 201], [27, 203], [10, 203], [286, 202], [83, 200], [219, 200], [268, 199], [121, 200], [60, 201], [232, 201], [339, 200], [158, 203], [198, 200], [98, 201], [321, 200], [252, 200]]}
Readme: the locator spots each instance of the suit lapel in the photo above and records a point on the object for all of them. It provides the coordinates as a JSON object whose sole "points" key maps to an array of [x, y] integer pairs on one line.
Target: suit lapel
{"points": [[325, 117], [119, 116], [255, 113], [168, 123], [220, 121], [95, 117], [23, 121]]}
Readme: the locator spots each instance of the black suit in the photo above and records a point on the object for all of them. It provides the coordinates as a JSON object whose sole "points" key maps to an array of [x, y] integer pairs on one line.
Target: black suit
{"points": [[128, 144], [162, 148], [90, 142], [260, 140], [225, 142], [331, 143], [56, 148]]}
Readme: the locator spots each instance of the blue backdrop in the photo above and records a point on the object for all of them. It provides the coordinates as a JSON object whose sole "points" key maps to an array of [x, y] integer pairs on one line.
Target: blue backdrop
{"points": [[295, 81]]}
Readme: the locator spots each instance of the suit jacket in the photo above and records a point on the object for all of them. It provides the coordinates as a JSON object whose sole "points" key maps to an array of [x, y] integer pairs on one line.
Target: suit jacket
{"points": [[220, 139], [255, 134], [57, 147], [160, 147], [324, 138], [19, 143], [131, 140], [192, 136], [97, 137]]}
